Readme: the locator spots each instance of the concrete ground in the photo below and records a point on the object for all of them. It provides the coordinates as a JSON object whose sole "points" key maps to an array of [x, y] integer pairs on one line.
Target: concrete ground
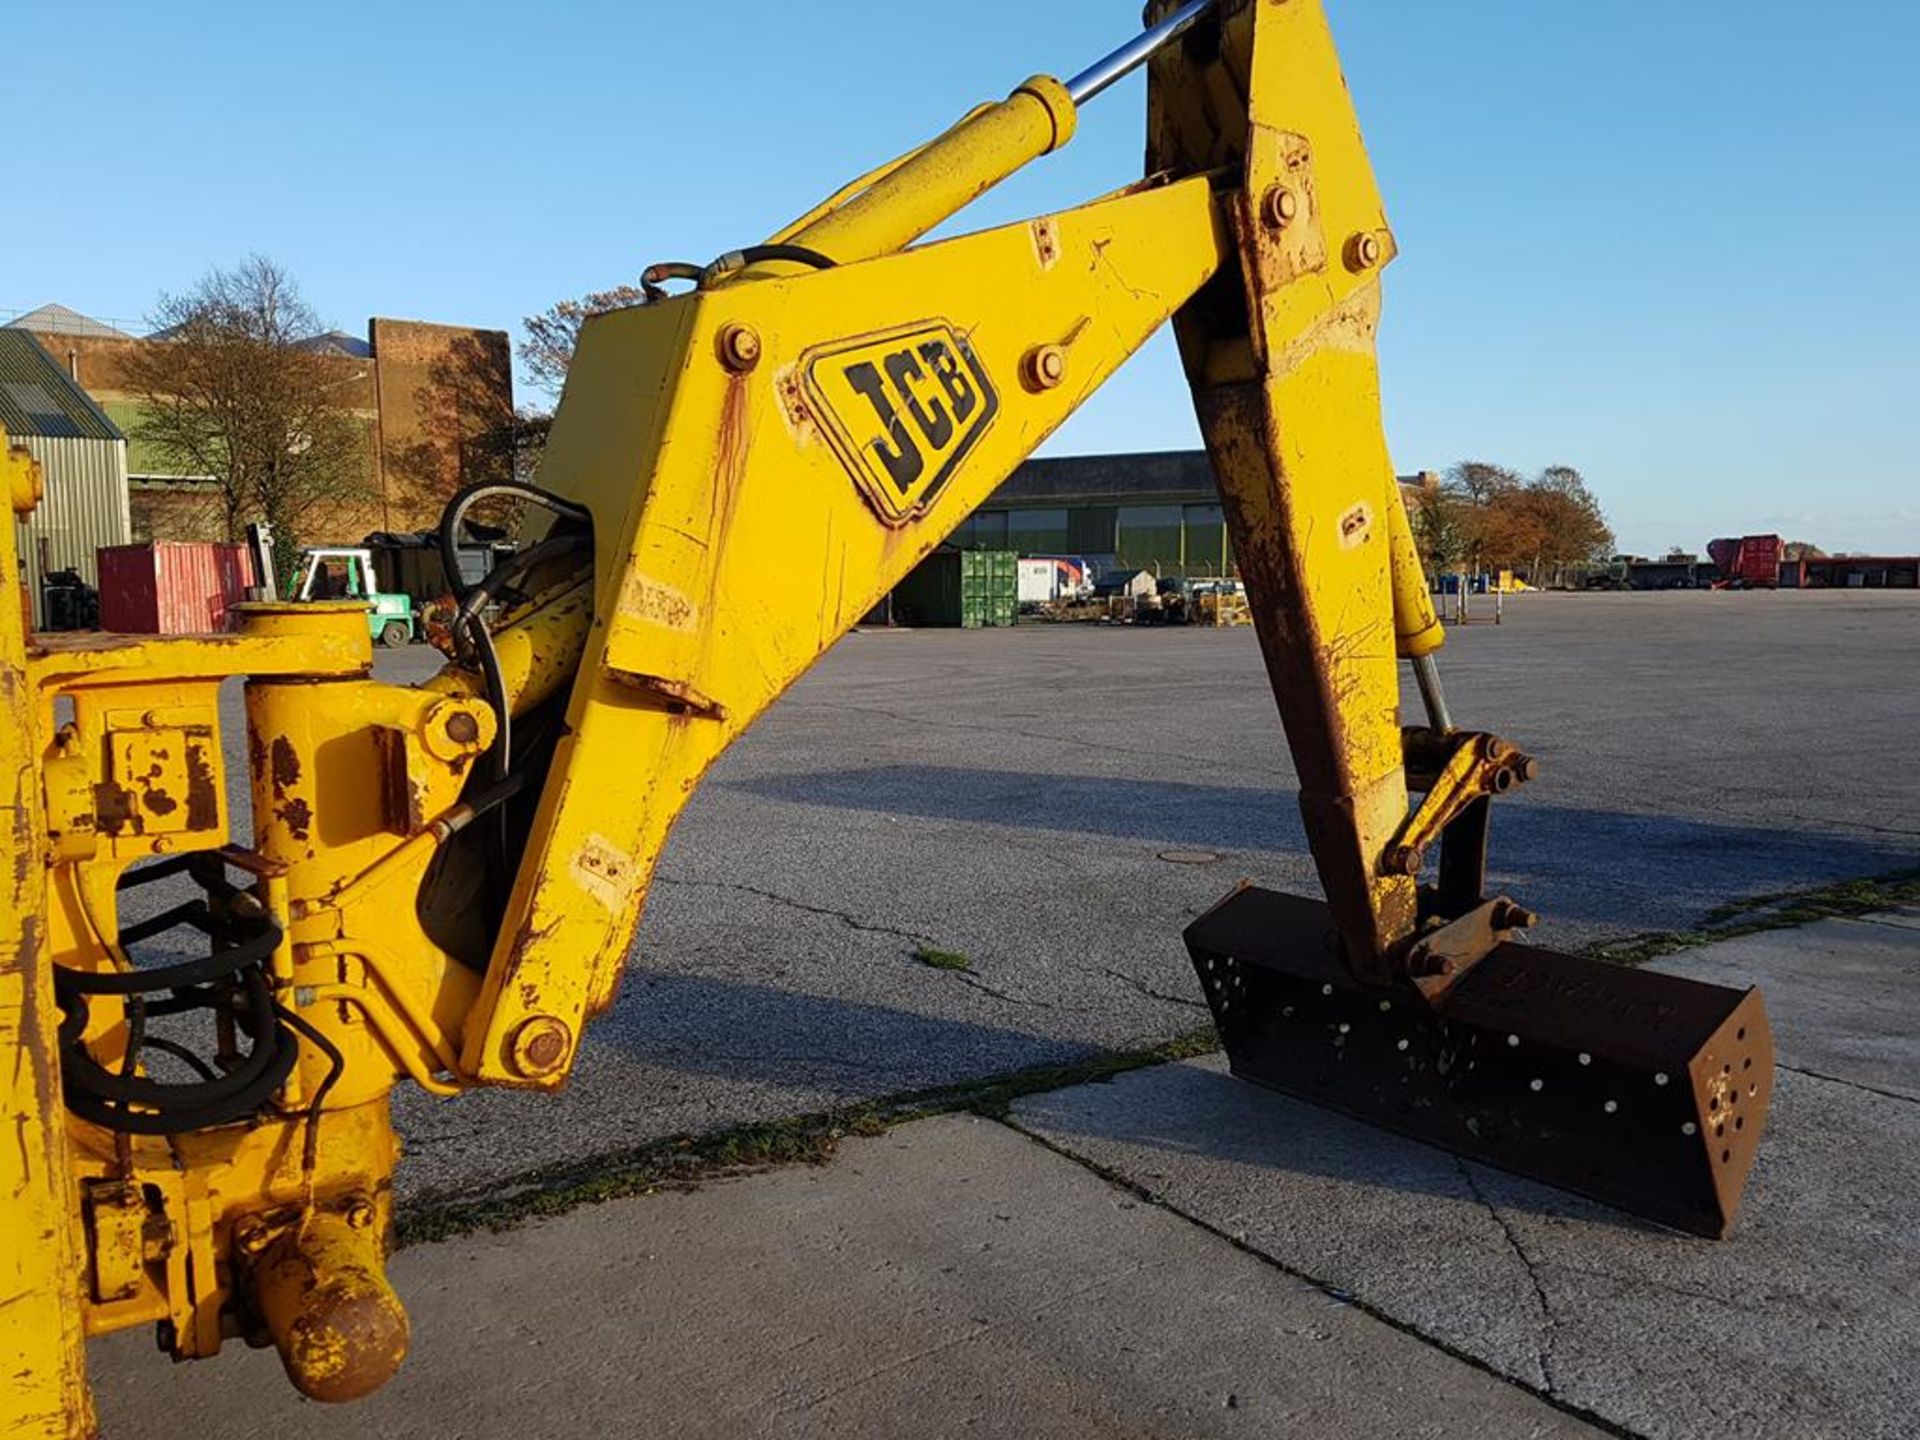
{"points": [[1174, 1253], [1033, 800]]}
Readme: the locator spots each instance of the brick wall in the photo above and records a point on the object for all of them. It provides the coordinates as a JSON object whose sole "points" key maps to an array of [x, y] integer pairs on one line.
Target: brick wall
{"points": [[445, 396], [437, 401]]}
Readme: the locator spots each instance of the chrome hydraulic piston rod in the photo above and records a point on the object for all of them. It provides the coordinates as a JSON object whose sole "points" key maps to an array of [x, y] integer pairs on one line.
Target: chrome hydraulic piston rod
{"points": [[1136, 52]]}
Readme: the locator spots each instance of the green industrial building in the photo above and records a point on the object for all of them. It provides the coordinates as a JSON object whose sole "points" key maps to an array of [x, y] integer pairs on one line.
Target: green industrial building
{"points": [[1157, 511]]}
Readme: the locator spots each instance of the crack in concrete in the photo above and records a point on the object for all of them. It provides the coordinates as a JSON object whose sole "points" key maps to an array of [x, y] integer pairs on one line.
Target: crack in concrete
{"points": [[1548, 1324], [850, 921], [866, 927], [1850, 1084], [1887, 922], [863, 926], [1867, 826], [1603, 1423], [966, 977], [1152, 994]]}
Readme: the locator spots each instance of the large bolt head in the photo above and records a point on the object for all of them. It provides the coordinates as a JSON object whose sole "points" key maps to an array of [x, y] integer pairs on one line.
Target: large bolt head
{"points": [[1045, 367], [1279, 206], [739, 347], [1404, 860], [539, 1046]]}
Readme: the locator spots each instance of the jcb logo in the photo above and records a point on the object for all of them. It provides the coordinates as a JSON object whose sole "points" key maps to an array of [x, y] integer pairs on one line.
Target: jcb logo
{"points": [[903, 410]]}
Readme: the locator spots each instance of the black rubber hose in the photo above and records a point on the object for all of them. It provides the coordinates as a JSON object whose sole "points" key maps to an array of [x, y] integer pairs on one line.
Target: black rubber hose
{"points": [[254, 949], [735, 261], [464, 500], [336, 1067], [500, 757], [797, 254], [552, 548], [492, 798], [181, 1121], [653, 275], [88, 1076]]}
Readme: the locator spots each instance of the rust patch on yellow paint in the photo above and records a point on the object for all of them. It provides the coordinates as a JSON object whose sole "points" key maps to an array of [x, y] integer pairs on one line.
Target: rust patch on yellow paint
{"points": [[649, 600], [604, 871], [794, 408], [297, 816], [1356, 527], [286, 765], [1046, 241], [203, 799]]}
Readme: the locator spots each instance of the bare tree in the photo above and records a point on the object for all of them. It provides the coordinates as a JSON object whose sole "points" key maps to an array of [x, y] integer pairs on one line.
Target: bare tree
{"points": [[1439, 521], [226, 391], [552, 334]]}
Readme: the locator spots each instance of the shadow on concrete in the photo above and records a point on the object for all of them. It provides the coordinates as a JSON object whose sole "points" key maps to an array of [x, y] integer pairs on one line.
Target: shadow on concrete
{"points": [[1620, 872], [1198, 1113], [1161, 811], [738, 1030], [706, 1026]]}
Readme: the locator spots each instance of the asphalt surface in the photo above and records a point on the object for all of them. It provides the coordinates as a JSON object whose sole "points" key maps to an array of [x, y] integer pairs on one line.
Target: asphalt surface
{"points": [[1175, 1253], [1034, 799]]}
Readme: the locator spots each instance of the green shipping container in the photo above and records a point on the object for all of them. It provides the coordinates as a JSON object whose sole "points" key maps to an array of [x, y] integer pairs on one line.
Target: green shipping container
{"points": [[974, 589]]}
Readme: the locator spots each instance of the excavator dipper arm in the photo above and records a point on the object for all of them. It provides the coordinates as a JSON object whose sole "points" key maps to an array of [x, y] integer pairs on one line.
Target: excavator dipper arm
{"points": [[443, 882]]}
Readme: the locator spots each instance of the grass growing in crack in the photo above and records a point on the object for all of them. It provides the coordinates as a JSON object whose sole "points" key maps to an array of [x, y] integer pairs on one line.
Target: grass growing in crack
{"points": [[942, 959], [1760, 913], [685, 1161]]}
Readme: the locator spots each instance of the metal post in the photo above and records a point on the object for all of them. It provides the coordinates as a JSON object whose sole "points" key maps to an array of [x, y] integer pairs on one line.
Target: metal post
{"points": [[1426, 674], [1135, 53]]}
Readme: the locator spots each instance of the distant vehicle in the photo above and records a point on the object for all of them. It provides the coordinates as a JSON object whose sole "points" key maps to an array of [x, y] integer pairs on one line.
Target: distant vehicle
{"points": [[1749, 563], [1220, 602], [1170, 604], [347, 574], [1615, 577], [1047, 578], [68, 602]]}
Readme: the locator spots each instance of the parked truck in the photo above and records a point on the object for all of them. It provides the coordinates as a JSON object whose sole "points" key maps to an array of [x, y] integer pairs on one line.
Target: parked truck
{"points": [[1749, 563]]}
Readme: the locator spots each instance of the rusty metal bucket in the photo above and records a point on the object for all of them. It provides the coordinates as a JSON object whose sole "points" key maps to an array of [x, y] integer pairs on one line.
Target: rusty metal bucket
{"points": [[1646, 1091]]}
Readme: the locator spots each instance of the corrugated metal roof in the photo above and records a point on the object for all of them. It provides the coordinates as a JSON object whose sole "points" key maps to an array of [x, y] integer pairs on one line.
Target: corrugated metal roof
{"points": [[336, 342], [1109, 479], [37, 397], [59, 320], [1165, 475]]}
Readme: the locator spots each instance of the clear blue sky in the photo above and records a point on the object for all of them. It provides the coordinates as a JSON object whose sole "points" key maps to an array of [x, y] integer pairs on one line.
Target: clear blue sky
{"points": [[1674, 245]]}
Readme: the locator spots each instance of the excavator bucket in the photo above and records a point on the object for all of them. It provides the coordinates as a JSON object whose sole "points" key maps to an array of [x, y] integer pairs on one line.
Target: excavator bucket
{"points": [[1646, 1091]]}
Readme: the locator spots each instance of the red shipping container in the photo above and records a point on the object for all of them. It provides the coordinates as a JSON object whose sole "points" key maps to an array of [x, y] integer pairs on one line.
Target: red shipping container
{"points": [[171, 587]]}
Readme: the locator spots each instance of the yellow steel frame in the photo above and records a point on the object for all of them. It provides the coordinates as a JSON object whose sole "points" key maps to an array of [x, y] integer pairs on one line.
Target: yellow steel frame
{"points": [[763, 459]]}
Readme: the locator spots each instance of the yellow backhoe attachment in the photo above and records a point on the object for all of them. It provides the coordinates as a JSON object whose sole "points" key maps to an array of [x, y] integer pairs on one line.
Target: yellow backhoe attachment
{"points": [[442, 883]]}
